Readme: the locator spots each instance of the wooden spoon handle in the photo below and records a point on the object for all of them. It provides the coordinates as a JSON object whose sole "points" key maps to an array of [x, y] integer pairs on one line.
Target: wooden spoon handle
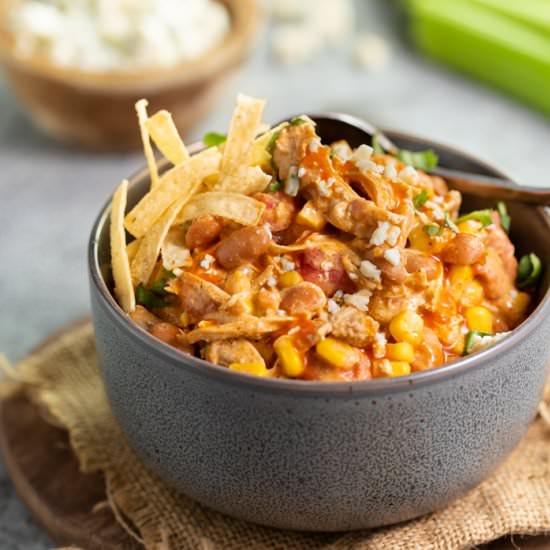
{"points": [[495, 188]]}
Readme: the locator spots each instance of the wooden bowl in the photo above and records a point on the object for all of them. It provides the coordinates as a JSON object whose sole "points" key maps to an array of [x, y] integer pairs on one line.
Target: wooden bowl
{"points": [[96, 109]]}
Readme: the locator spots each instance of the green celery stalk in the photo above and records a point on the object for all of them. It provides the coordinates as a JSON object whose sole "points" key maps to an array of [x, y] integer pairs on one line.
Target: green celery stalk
{"points": [[492, 46]]}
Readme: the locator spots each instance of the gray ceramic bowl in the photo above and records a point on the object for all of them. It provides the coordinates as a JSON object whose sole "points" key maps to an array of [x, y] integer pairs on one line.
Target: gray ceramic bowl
{"points": [[323, 456]]}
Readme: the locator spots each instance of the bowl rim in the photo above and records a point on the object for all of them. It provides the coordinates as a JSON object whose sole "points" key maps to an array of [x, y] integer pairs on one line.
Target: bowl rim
{"points": [[246, 17], [325, 389]]}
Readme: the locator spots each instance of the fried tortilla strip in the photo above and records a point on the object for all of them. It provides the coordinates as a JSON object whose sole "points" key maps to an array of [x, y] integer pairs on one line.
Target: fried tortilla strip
{"points": [[232, 206], [141, 109], [124, 290], [246, 326], [243, 128], [181, 182], [164, 133], [174, 251], [247, 181], [150, 245], [131, 249]]}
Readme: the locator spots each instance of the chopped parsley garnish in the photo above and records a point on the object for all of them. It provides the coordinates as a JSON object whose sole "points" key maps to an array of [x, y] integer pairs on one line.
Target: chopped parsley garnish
{"points": [[296, 121], [423, 160], [432, 229], [148, 298], [421, 199], [470, 340], [378, 149], [212, 139], [505, 219], [529, 270], [483, 216], [450, 224], [274, 186]]}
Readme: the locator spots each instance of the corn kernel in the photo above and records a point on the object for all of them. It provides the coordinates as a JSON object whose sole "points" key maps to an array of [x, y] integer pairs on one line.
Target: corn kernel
{"points": [[420, 240], [402, 351], [391, 369], [472, 294], [338, 353], [290, 358], [256, 368], [469, 226], [290, 278], [311, 217], [407, 326], [460, 274], [519, 305], [479, 318]]}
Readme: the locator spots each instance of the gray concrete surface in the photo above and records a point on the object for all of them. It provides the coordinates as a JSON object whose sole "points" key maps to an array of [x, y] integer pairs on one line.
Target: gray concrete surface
{"points": [[50, 194]]}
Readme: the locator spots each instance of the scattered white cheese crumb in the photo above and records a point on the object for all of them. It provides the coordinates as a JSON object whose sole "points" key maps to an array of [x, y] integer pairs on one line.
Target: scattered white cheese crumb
{"points": [[480, 342], [177, 271], [362, 159], [281, 312], [314, 145], [287, 265], [292, 184], [326, 265], [206, 262], [408, 174], [379, 345], [333, 307], [359, 300], [385, 367], [380, 234], [301, 172], [271, 281], [390, 170], [246, 271], [323, 188], [393, 255], [353, 276], [370, 271], [293, 330], [268, 230], [393, 234], [341, 151], [339, 294], [331, 181], [371, 51]]}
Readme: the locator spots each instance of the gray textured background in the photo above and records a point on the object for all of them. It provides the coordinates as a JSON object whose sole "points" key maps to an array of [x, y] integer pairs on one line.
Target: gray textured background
{"points": [[50, 194]]}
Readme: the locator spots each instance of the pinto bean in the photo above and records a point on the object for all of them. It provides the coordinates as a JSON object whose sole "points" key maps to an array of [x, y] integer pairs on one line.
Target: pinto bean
{"points": [[302, 298], [243, 246], [203, 230], [268, 300], [280, 210], [421, 262], [170, 334], [325, 269], [464, 249]]}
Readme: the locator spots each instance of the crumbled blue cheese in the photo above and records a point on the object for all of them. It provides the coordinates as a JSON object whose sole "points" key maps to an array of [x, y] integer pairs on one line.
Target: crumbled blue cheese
{"points": [[287, 265], [332, 307], [480, 342], [408, 175], [107, 35], [359, 300], [385, 232], [393, 255], [292, 183], [379, 345], [314, 145], [370, 271], [341, 151], [271, 281], [206, 262], [390, 171]]}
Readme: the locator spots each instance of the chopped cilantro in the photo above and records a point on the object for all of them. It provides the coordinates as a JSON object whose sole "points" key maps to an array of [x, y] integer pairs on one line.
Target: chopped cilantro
{"points": [[274, 186], [378, 149], [212, 139], [423, 160], [505, 219], [483, 216], [270, 147], [529, 270], [420, 200], [470, 340], [158, 286], [450, 224], [296, 121], [147, 298], [432, 229]]}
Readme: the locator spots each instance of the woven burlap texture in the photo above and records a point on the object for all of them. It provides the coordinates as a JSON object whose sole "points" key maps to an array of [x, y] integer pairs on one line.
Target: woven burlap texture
{"points": [[64, 377]]}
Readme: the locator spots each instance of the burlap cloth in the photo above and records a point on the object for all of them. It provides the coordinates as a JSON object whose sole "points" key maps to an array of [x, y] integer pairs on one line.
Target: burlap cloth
{"points": [[64, 378]]}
